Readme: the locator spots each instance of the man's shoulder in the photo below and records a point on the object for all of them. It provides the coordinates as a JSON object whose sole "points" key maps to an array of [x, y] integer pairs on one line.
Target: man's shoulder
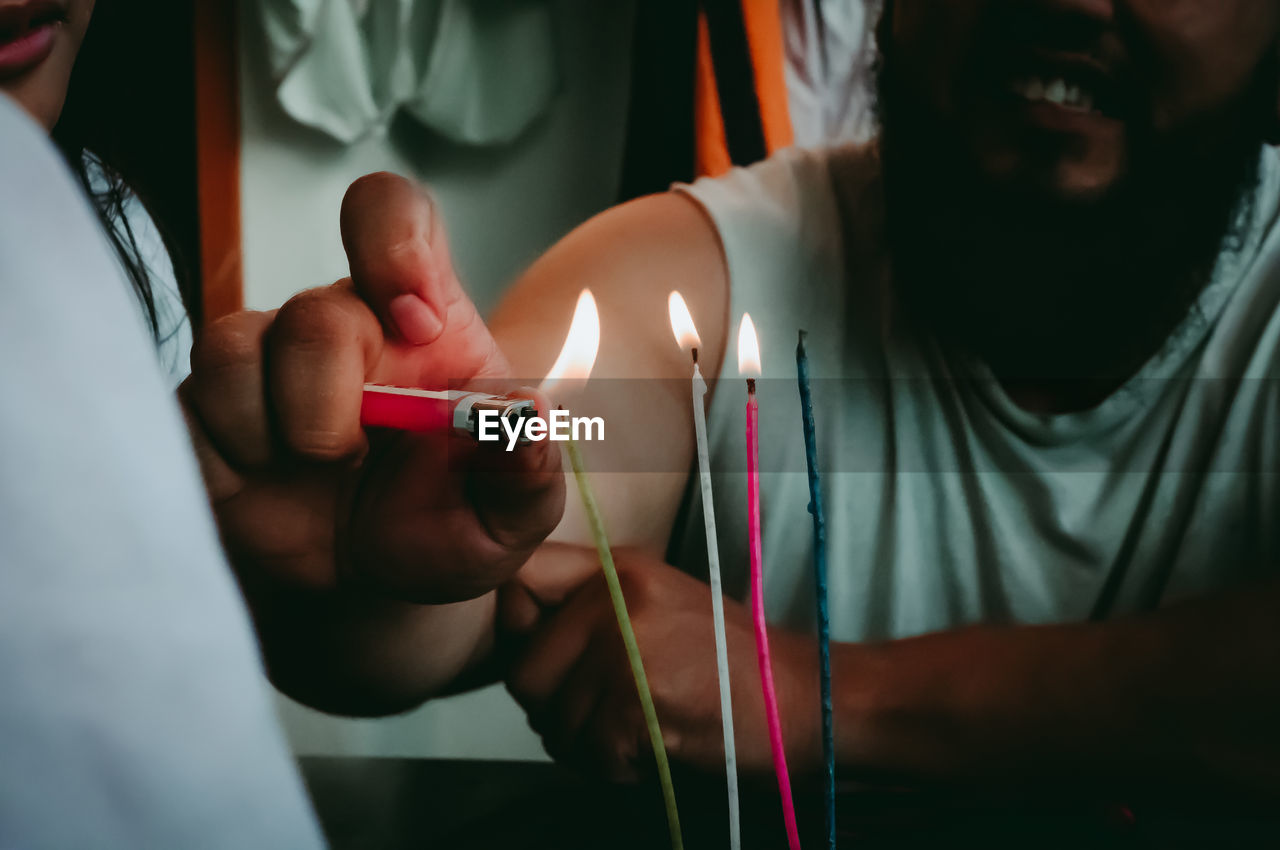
{"points": [[796, 197], [798, 173], [786, 228]]}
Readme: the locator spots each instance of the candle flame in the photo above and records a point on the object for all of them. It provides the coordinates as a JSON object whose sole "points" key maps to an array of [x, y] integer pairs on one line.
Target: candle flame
{"points": [[748, 349], [578, 356], [682, 325]]}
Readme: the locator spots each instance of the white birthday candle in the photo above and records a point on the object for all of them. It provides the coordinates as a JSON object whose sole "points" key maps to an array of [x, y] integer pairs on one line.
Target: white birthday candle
{"points": [[687, 335]]}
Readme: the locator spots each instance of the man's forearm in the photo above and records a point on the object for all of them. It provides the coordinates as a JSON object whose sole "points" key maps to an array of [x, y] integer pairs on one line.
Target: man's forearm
{"points": [[365, 655], [1186, 695]]}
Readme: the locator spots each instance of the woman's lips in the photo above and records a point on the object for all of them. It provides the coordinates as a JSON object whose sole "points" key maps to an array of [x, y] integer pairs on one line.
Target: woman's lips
{"points": [[27, 45]]}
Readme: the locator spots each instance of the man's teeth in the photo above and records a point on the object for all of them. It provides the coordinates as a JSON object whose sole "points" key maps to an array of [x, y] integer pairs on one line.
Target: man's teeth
{"points": [[1056, 91]]}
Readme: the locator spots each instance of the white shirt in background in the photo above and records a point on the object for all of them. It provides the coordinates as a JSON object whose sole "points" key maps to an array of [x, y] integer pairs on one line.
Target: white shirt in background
{"points": [[946, 503]]}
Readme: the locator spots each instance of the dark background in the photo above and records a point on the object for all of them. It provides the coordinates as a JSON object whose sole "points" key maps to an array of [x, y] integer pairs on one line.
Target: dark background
{"points": [[132, 101]]}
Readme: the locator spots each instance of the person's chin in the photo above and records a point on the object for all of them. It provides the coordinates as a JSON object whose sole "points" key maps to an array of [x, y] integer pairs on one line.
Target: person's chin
{"points": [[41, 93], [37, 102], [1068, 174], [1073, 181]]}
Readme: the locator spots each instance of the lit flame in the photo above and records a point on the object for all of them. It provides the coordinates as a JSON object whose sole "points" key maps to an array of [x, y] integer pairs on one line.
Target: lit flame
{"points": [[748, 349], [579, 353], [682, 323]]}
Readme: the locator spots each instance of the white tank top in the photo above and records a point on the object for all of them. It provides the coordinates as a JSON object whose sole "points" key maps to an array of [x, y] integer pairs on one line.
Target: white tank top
{"points": [[946, 503]]}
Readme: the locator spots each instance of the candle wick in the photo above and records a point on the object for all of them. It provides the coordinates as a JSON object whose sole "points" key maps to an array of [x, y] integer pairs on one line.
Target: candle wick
{"points": [[695, 355], [751, 386]]}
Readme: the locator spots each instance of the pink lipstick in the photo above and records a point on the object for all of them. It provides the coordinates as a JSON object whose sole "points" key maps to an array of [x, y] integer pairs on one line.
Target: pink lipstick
{"points": [[27, 34]]}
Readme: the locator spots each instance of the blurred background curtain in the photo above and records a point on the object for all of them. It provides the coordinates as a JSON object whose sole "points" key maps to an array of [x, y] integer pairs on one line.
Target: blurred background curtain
{"points": [[477, 72], [830, 69]]}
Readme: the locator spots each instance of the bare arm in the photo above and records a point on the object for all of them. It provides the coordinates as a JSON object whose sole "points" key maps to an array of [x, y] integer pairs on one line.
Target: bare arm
{"points": [[1187, 695], [631, 257]]}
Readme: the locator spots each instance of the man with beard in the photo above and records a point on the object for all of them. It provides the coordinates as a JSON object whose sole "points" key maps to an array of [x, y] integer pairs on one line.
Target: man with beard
{"points": [[1043, 315]]}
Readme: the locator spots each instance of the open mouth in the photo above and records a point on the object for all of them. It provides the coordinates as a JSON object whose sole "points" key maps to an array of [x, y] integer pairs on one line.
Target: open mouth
{"points": [[1074, 84], [1057, 91]]}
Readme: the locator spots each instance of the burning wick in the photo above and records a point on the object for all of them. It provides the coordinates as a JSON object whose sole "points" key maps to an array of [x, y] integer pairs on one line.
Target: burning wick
{"points": [[575, 362], [686, 334], [749, 368]]}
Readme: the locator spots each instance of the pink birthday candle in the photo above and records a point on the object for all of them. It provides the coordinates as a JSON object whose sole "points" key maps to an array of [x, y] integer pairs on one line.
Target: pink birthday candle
{"points": [[749, 364]]}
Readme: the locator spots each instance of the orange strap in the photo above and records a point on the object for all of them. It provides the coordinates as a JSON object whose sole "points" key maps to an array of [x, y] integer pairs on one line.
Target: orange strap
{"points": [[763, 24]]}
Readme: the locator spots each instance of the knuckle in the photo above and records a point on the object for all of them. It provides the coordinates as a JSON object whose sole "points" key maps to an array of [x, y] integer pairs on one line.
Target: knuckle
{"points": [[322, 445], [228, 343], [635, 584], [404, 265], [313, 320], [663, 690], [410, 253], [672, 740]]}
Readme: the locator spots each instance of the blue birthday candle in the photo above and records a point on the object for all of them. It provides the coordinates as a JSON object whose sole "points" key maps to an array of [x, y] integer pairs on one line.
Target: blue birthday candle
{"points": [[820, 572]]}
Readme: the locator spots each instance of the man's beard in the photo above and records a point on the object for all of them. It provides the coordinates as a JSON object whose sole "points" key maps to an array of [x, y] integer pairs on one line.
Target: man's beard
{"points": [[1042, 288]]}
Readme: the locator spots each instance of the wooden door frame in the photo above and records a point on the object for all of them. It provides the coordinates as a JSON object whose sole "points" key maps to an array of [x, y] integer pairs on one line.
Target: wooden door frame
{"points": [[217, 95]]}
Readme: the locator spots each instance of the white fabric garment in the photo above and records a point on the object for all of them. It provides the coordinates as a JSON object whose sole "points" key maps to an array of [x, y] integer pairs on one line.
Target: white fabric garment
{"points": [[946, 503], [477, 73], [174, 337], [133, 708], [830, 57]]}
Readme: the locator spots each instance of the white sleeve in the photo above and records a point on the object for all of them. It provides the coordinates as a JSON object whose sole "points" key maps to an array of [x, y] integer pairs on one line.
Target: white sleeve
{"points": [[133, 709]]}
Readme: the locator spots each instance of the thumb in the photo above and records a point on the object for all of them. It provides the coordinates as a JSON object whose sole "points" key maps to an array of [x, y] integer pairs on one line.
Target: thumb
{"points": [[400, 265], [399, 256]]}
